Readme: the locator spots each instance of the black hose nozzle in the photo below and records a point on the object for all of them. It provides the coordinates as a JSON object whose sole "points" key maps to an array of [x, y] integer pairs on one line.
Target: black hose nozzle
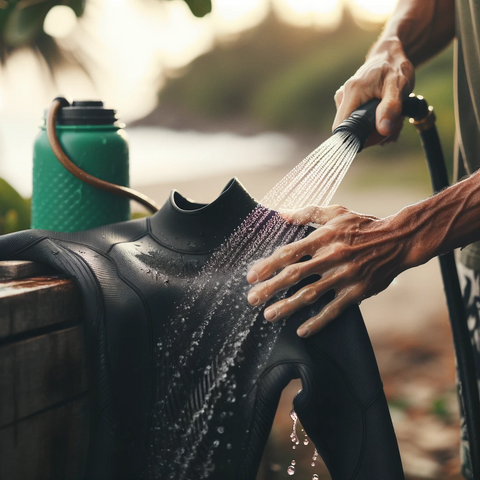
{"points": [[361, 122]]}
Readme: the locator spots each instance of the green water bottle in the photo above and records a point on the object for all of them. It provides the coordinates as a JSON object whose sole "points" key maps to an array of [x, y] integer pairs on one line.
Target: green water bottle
{"points": [[93, 139]]}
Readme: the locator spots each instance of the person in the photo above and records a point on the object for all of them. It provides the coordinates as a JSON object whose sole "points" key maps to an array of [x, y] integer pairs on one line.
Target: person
{"points": [[358, 255]]}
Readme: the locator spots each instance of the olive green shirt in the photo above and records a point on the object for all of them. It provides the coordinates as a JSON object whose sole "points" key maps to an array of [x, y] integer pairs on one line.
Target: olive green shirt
{"points": [[467, 103]]}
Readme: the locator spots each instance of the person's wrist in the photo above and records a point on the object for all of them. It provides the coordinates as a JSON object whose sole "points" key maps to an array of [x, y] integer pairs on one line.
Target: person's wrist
{"points": [[389, 46], [413, 232]]}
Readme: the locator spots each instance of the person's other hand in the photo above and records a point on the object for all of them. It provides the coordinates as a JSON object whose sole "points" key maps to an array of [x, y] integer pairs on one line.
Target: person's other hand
{"points": [[387, 74], [356, 255]]}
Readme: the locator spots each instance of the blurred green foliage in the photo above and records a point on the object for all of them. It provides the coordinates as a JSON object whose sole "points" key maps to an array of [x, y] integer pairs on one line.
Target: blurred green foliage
{"points": [[14, 210], [21, 25], [284, 78], [440, 409]]}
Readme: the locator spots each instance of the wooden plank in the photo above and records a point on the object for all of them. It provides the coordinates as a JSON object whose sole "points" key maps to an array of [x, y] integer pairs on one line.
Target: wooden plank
{"points": [[41, 371], [36, 303], [49, 446], [17, 269]]}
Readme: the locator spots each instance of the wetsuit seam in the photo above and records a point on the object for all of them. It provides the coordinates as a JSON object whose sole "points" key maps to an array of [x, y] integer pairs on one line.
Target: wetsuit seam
{"points": [[364, 436], [133, 239], [30, 245], [362, 451], [374, 397]]}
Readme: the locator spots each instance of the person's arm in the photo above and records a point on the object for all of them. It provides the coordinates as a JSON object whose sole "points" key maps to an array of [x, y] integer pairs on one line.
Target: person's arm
{"points": [[416, 31], [358, 256]]}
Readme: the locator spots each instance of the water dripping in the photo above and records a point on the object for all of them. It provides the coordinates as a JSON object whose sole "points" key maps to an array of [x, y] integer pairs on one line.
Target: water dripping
{"points": [[293, 435]]}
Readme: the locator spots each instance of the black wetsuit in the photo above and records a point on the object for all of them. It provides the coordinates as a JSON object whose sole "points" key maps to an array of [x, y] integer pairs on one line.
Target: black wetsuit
{"points": [[132, 277]]}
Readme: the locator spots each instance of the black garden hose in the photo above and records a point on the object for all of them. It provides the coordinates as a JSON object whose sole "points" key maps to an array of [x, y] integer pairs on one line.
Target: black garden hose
{"points": [[423, 118]]}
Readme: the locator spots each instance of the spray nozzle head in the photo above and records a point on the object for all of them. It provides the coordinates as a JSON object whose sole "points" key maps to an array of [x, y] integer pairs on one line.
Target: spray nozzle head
{"points": [[361, 122]]}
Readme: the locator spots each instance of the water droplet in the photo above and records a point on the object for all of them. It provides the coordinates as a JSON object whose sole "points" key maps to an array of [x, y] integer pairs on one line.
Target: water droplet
{"points": [[291, 470], [293, 462], [305, 441], [229, 446], [220, 429], [313, 464], [315, 476], [216, 443]]}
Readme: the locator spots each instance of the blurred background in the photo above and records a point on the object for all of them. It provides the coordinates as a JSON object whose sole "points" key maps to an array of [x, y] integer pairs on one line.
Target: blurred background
{"points": [[247, 91]]}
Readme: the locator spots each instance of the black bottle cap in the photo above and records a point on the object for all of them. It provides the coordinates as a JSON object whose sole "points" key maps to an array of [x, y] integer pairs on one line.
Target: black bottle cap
{"points": [[86, 112]]}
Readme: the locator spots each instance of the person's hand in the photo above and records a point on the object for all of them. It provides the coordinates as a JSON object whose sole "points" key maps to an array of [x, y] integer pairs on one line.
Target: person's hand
{"points": [[356, 255], [387, 74]]}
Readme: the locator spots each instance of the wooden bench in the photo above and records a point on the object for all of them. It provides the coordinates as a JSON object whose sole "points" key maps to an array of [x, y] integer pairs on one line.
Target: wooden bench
{"points": [[44, 417]]}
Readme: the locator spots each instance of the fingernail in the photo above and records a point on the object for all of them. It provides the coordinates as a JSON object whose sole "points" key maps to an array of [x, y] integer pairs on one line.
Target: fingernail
{"points": [[252, 276], [303, 332], [253, 298], [270, 314], [386, 125]]}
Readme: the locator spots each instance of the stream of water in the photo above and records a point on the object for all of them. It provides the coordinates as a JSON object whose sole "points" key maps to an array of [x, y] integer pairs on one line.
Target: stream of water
{"points": [[192, 426]]}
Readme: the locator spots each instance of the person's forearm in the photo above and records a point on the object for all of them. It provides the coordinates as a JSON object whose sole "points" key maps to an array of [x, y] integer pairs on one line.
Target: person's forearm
{"points": [[422, 27], [441, 223]]}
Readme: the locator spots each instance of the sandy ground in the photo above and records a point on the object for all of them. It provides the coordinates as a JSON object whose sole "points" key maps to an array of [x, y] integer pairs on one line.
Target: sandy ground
{"points": [[409, 328]]}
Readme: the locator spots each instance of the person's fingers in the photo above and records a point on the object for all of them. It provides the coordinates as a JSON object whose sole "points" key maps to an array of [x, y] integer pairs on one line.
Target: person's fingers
{"points": [[325, 263], [355, 93], [288, 277], [331, 311], [376, 139], [338, 97], [305, 296], [282, 257], [397, 128], [395, 89], [313, 214]]}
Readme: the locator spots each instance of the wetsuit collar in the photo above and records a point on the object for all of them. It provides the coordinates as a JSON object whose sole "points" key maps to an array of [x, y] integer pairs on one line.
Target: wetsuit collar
{"points": [[196, 228]]}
